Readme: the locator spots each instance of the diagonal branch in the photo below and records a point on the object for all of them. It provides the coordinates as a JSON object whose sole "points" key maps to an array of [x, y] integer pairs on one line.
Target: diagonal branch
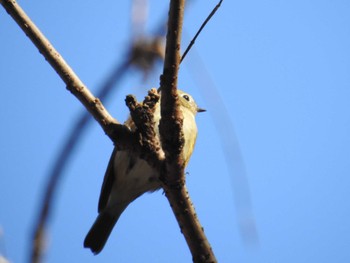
{"points": [[172, 138]]}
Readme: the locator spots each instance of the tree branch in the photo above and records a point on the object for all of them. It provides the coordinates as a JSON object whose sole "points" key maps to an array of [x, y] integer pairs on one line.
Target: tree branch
{"points": [[172, 138], [170, 126]]}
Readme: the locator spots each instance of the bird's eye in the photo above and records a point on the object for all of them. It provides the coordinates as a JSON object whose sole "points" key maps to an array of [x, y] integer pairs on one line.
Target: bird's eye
{"points": [[186, 97]]}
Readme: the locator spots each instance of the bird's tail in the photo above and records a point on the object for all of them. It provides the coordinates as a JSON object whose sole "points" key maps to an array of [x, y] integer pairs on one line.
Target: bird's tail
{"points": [[100, 231]]}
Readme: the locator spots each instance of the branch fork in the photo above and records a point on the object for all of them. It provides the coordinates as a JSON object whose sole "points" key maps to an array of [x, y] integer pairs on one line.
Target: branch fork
{"points": [[170, 128]]}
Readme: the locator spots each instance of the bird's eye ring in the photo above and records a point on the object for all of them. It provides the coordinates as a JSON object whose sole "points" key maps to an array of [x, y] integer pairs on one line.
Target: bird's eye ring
{"points": [[186, 97]]}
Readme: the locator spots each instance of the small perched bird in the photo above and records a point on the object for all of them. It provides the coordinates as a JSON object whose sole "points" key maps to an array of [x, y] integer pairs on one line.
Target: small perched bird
{"points": [[128, 176]]}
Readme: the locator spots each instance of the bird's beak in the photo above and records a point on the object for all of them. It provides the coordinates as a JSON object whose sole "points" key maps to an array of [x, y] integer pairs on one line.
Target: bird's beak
{"points": [[201, 110]]}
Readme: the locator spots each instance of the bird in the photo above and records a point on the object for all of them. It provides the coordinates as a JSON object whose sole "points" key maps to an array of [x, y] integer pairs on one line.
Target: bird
{"points": [[127, 176]]}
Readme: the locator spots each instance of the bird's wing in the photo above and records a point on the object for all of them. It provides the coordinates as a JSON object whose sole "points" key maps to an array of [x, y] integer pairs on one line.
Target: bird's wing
{"points": [[107, 183]]}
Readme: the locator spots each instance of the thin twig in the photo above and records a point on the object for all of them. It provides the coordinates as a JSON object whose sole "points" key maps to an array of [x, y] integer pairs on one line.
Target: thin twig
{"points": [[200, 29], [170, 127]]}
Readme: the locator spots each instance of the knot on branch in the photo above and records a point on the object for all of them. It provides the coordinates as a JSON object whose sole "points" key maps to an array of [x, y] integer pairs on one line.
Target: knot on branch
{"points": [[143, 123]]}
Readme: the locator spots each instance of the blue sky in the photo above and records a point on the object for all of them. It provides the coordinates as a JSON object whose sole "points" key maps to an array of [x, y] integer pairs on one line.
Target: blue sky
{"points": [[282, 71]]}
